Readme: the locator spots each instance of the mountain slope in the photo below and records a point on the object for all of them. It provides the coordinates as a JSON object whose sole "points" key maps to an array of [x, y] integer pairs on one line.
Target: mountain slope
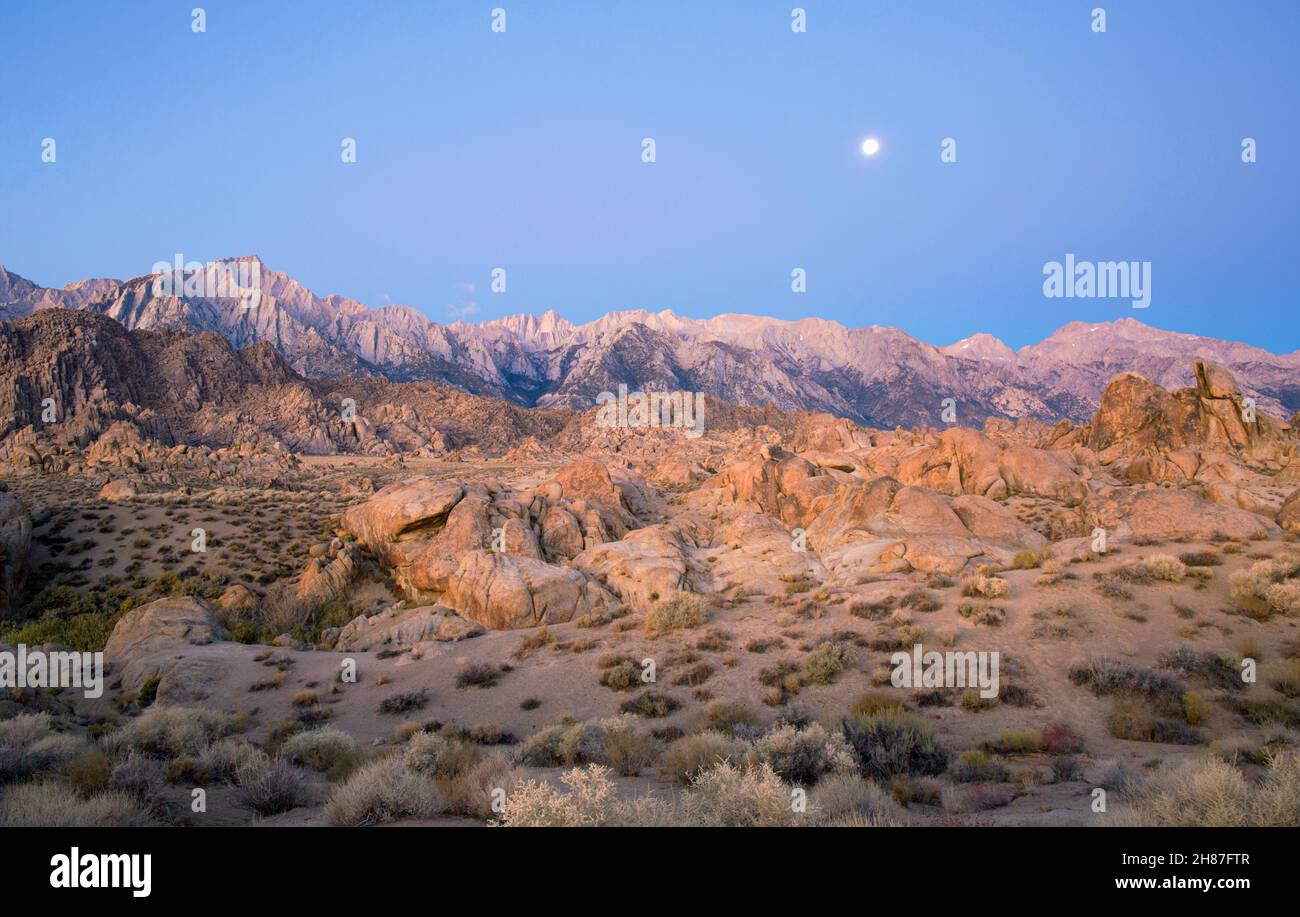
{"points": [[874, 375]]}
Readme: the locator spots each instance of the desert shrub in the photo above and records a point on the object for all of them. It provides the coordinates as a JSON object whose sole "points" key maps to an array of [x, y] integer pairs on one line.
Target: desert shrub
{"points": [[1130, 719], [874, 702], [622, 676], [1021, 741], [1208, 792], [477, 675], [825, 663], [1196, 709], [989, 587], [469, 793], [1284, 677], [29, 745], [225, 758], [589, 802], [381, 791], [170, 732], [977, 766], [730, 718], [981, 614], [681, 611], [271, 787], [1107, 677], [46, 804], [1261, 589], [730, 796], [88, 771], [920, 600], [321, 749], [650, 704], [1061, 740], [1213, 668], [894, 743], [627, 750], [140, 778], [846, 800], [1167, 567], [439, 756], [688, 755], [1029, 560], [804, 755], [1201, 559], [404, 702]]}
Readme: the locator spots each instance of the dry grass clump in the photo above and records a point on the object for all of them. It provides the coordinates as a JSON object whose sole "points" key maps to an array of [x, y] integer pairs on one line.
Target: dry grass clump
{"points": [[650, 704], [894, 743], [478, 675], [691, 754], [381, 791], [989, 587], [1030, 560], [845, 800], [1264, 588], [739, 796], [804, 756], [173, 732], [404, 702], [728, 718], [1109, 677], [323, 749], [29, 745], [590, 802], [981, 614], [1212, 793], [223, 759], [976, 765], [615, 742], [1168, 568], [49, 804], [269, 788], [824, 664], [680, 612]]}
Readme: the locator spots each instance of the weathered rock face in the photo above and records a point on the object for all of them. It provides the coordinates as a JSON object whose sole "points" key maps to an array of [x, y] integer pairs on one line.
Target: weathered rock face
{"points": [[411, 511], [644, 566], [15, 544], [1166, 512], [1137, 416], [503, 592], [117, 490], [162, 624], [403, 627], [326, 579], [883, 526], [779, 483], [1288, 516]]}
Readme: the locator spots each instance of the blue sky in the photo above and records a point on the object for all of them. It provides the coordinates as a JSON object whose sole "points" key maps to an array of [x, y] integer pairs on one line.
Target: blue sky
{"points": [[522, 150]]}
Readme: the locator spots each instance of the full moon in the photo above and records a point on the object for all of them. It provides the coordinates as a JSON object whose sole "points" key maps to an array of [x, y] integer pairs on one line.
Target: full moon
{"points": [[870, 146]]}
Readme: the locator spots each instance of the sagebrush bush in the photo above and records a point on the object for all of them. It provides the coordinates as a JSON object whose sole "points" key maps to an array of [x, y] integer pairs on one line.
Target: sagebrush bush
{"points": [[804, 755], [271, 787], [321, 749], [29, 745], [224, 758], [846, 800], [469, 793], [689, 755], [172, 732], [47, 804], [1167, 567], [383, 790], [681, 611], [894, 743], [824, 664], [730, 796], [590, 802], [1208, 792]]}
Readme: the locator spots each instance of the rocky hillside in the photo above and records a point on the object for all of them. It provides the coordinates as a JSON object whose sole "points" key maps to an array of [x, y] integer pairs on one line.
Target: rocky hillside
{"points": [[877, 376]]}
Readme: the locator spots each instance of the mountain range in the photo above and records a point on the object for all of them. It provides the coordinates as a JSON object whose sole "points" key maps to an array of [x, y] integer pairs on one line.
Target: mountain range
{"points": [[874, 375]]}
